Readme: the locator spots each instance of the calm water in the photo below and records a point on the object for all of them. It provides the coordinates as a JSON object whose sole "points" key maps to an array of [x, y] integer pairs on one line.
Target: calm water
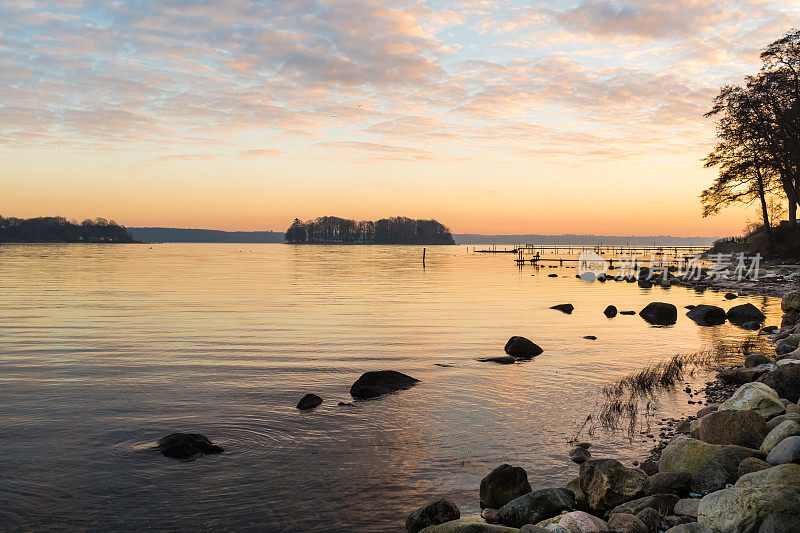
{"points": [[105, 349]]}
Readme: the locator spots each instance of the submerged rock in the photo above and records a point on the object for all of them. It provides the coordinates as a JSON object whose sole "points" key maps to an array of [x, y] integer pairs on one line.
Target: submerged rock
{"points": [[309, 401], [186, 446], [590, 338], [627, 312], [536, 506], [434, 513], [745, 313], [565, 308], [707, 315], [502, 360], [522, 348], [502, 485], [379, 382], [660, 313]]}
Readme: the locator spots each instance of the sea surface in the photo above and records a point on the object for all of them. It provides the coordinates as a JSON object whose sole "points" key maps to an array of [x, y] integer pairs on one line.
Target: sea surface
{"points": [[106, 348]]}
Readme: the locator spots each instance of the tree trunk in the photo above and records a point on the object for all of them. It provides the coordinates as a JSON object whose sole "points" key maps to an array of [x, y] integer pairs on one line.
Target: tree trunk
{"points": [[764, 213]]}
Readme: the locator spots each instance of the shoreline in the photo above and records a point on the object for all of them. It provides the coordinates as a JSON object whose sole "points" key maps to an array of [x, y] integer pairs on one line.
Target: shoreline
{"points": [[732, 466]]}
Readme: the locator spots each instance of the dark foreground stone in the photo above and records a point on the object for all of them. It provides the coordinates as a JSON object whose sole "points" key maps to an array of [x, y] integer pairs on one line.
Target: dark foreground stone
{"points": [[503, 484], [707, 315], [186, 446], [536, 506], [564, 308], [309, 401], [522, 348], [434, 513], [610, 311], [660, 313], [745, 313], [380, 382]]}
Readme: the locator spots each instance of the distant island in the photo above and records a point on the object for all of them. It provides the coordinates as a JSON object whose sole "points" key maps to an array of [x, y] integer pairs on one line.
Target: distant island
{"points": [[61, 230], [205, 235], [395, 230]]}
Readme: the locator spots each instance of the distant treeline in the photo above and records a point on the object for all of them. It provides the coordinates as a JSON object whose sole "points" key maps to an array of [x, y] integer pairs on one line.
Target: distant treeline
{"points": [[59, 229], [204, 235], [395, 230]]}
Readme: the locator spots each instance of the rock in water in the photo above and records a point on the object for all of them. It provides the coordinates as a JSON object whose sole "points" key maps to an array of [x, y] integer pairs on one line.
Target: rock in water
{"points": [[786, 451], [731, 296], [380, 382], [565, 308], [742, 428], [756, 397], [745, 313], [309, 401], [660, 313], [707, 315], [186, 446], [610, 311], [738, 510], [579, 455], [711, 466], [522, 348], [501, 360], [434, 513], [785, 381], [503, 484], [536, 506], [607, 483], [756, 359]]}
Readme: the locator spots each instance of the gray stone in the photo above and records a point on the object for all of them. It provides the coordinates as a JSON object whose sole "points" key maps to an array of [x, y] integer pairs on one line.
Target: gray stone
{"points": [[711, 466], [787, 428], [755, 397], [737, 510], [503, 484], [536, 506], [773, 423], [468, 525], [186, 446], [434, 513], [739, 375], [784, 474], [579, 455], [691, 527], [786, 451]]}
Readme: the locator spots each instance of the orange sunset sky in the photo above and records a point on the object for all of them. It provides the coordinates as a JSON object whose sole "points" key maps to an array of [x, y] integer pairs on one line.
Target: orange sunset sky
{"points": [[492, 116]]}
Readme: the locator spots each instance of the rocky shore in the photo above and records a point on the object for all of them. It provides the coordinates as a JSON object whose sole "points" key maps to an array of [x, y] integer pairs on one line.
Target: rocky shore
{"points": [[732, 468]]}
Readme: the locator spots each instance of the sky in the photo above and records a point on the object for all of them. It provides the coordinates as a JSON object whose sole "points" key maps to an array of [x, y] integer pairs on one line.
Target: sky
{"points": [[492, 116]]}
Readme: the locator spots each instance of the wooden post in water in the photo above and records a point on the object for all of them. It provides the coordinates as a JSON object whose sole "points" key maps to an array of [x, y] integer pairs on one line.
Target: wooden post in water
{"points": [[423, 258]]}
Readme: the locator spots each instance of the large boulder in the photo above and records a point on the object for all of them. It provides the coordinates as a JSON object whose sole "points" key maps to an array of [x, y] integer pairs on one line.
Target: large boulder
{"points": [[380, 382], [663, 503], [785, 380], [707, 315], [742, 428], [468, 525], [746, 510], [669, 483], [536, 506], [786, 451], [186, 446], [756, 397], [503, 484], [711, 466], [784, 430], [748, 312], [434, 513], [580, 522], [791, 302], [607, 483], [660, 313], [522, 348], [785, 474]]}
